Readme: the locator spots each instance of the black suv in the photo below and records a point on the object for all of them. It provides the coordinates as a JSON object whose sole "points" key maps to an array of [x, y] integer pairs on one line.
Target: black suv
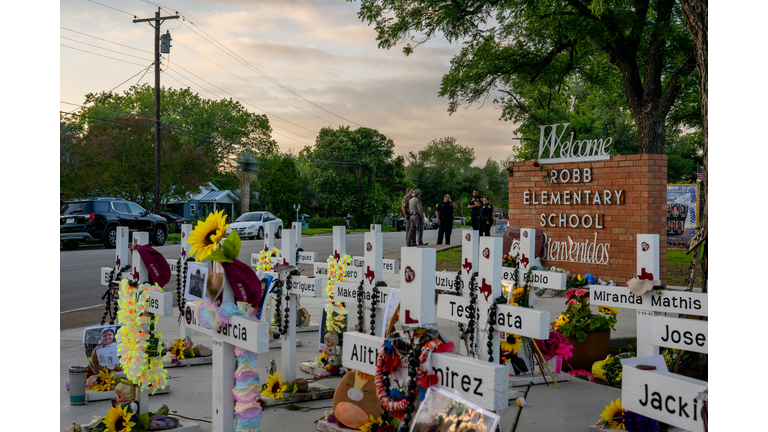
{"points": [[95, 220]]}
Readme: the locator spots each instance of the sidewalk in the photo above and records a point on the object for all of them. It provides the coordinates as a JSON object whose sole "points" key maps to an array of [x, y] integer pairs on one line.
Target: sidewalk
{"points": [[573, 407]]}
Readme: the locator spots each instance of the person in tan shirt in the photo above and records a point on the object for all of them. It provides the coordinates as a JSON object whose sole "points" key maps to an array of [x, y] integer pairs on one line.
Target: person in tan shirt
{"points": [[416, 213]]}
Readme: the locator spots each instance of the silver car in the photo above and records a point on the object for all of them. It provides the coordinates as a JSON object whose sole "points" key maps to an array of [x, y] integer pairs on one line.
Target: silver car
{"points": [[252, 225]]}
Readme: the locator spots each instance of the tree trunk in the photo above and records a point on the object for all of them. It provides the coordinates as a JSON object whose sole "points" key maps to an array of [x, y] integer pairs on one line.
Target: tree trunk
{"points": [[651, 133], [696, 18]]}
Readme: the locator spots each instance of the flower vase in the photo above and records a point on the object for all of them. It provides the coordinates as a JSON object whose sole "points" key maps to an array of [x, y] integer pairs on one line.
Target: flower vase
{"points": [[594, 348]]}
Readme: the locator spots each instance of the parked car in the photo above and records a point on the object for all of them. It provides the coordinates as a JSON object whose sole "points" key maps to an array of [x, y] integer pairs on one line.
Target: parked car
{"points": [[96, 221], [400, 224], [251, 225], [458, 220], [174, 221], [428, 225]]}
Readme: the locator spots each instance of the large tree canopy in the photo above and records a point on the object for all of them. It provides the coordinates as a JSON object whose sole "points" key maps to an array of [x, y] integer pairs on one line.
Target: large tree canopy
{"points": [[355, 172], [117, 159], [545, 43], [223, 129]]}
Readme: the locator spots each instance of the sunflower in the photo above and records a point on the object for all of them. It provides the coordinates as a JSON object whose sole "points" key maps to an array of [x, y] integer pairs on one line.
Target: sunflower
{"points": [[275, 386], [178, 349], [105, 381], [206, 235], [612, 414], [512, 344], [372, 422], [118, 420]]}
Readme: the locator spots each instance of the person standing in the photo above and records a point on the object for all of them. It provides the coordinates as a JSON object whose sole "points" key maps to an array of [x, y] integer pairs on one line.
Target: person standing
{"points": [[416, 212], [486, 218], [475, 203], [444, 212], [406, 215]]}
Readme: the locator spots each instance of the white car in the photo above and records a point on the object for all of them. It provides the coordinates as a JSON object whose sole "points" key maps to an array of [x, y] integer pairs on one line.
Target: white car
{"points": [[251, 225]]}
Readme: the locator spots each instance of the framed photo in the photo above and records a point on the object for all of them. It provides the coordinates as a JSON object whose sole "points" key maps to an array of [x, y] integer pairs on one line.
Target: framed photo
{"points": [[101, 347], [442, 411], [197, 277]]}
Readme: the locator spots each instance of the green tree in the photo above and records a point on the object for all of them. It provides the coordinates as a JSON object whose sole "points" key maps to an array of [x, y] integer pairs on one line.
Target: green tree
{"points": [[355, 172], [116, 159], [280, 186], [544, 42], [223, 129]]}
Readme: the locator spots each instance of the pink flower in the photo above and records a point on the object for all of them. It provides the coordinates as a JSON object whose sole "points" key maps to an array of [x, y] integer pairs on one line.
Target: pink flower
{"points": [[188, 343], [570, 292], [91, 381], [582, 293], [571, 302]]}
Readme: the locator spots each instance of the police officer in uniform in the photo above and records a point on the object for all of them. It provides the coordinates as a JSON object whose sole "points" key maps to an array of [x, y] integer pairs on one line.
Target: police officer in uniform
{"points": [[406, 216], [486, 218], [475, 203], [416, 213], [444, 212]]}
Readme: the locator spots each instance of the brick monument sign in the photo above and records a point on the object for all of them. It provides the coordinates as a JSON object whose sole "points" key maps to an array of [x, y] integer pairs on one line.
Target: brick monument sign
{"points": [[592, 205]]}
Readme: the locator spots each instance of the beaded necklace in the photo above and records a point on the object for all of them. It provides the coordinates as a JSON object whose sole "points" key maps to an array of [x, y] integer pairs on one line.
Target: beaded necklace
{"points": [[111, 300]]}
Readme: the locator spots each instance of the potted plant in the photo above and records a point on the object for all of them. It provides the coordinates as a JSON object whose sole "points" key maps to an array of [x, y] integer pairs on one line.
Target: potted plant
{"points": [[589, 332]]}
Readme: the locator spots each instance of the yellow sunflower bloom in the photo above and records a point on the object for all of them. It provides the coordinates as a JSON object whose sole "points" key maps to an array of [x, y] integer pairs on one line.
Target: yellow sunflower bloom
{"points": [[118, 420], [105, 381], [612, 414], [178, 349], [370, 424], [275, 386], [206, 235], [608, 310], [511, 344]]}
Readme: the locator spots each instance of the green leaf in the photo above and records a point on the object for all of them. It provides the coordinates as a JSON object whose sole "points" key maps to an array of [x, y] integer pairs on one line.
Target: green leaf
{"points": [[304, 409], [144, 420], [163, 410], [234, 239], [219, 256], [581, 335]]}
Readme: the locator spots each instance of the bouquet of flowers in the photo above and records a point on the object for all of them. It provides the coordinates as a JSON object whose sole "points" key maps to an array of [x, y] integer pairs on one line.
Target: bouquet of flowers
{"points": [[615, 417], [609, 370], [508, 261], [180, 349], [578, 319], [556, 345]]}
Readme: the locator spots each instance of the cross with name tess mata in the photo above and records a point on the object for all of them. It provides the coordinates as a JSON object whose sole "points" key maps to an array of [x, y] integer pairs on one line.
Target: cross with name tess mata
{"points": [[509, 319]]}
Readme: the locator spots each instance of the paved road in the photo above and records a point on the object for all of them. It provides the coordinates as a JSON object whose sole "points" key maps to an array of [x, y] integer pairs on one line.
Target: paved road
{"points": [[80, 291]]}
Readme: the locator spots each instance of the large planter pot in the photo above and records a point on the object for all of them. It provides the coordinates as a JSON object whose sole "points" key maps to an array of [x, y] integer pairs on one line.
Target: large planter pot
{"points": [[594, 348]]}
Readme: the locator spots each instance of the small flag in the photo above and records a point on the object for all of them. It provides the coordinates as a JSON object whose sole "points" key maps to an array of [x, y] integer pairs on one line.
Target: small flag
{"points": [[700, 174]]}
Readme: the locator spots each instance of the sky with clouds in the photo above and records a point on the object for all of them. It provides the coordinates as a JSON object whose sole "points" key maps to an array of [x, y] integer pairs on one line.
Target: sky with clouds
{"points": [[317, 49]]}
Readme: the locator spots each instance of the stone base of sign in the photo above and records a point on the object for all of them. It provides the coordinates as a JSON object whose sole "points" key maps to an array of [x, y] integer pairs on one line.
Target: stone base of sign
{"points": [[316, 391], [307, 368], [279, 343], [536, 378], [92, 396], [309, 328], [195, 361], [184, 425]]}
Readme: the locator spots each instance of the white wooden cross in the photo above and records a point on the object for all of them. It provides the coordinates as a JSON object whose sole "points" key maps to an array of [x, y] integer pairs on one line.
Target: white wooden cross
{"points": [[649, 304], [122, 256], [662, 395], [480, 382], [509, 319], [469, 252], [539, 278], [242, 332]]}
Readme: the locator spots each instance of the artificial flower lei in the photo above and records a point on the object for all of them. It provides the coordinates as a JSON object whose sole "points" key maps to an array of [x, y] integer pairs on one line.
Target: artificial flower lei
{"points": [[337, 271], [138, 348], [248, 403]]}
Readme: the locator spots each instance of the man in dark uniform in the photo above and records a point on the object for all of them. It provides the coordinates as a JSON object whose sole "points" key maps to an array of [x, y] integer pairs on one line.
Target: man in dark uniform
{"points": [[475, 203], [444, 212], [406, 215]]}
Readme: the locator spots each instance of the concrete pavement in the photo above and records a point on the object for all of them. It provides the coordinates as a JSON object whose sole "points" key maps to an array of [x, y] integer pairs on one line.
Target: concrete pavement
{"points": [[573, 407]]}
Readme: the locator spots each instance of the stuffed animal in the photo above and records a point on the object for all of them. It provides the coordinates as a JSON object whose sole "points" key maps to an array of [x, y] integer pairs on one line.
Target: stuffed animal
{"points": [[355, 399]]}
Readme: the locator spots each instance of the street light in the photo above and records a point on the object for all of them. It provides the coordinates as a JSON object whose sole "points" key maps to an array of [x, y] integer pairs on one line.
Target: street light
{"points": [[297, 208]]}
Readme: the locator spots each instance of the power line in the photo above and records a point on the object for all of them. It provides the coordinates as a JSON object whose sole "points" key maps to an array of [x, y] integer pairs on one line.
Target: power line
{"points": [[105, 40], [127, 13], [106, 49], [101, 55]]}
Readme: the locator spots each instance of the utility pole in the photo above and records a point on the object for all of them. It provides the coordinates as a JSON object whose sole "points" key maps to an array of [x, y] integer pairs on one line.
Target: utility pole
{"points": [[158, 20]]}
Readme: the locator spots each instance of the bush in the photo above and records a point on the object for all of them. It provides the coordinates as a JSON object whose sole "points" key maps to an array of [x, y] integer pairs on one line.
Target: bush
{"points": [[326, 222]]}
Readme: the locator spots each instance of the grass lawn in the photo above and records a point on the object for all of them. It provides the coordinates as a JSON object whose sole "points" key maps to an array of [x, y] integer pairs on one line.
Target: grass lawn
{"points": [[677, 265]]}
